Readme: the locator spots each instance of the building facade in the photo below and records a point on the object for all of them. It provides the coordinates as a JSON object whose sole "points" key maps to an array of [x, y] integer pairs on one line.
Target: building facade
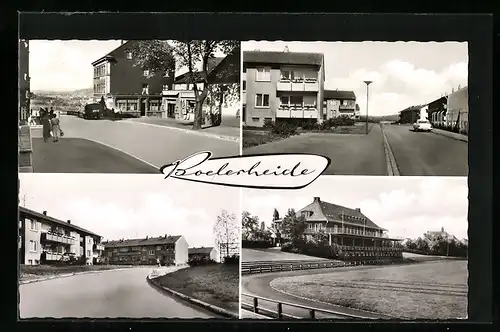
{"points": [[125, 87], [24, 82], [282, 86], [203, 253], [44, 239], [168, 249], [339, 103], [349, 231], [457, 110], [412, 114], [436, 112]]}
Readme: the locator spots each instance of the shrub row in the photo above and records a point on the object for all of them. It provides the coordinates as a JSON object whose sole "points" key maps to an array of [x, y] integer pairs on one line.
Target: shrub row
{"points": [[256, 244], [232, 260], [200, 260]]}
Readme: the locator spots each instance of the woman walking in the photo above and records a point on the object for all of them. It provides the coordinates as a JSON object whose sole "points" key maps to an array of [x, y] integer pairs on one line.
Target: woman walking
{"points": [[46, 123], [56, 129]]}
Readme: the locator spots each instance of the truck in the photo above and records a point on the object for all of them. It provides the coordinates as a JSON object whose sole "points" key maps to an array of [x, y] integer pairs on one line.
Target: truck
{"points": [[91, 111]]}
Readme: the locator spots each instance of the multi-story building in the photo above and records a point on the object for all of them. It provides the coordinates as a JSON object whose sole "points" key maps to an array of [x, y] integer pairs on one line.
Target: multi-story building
{"points": [[436, 111], [412, 114], [125, 87], [203, 253], [340, 103], [44, 239], [24, 82], [282, 86], [169, 249], [348, 230], [457, 110]]}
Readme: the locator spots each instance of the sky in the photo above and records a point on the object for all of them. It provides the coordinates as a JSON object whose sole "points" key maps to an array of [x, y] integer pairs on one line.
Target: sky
{"points": [[403, 73], [406, 206], [66, 65], [131, 206]]}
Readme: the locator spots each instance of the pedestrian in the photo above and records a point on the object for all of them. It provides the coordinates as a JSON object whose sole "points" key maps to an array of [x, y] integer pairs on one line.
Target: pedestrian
{"points": [[46, 123], [158, 261], [56, 128]]}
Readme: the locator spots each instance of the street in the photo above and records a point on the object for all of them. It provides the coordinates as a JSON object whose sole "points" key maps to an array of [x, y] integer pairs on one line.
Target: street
{"points": [[426, 154], [153, 145], [108, 294]]}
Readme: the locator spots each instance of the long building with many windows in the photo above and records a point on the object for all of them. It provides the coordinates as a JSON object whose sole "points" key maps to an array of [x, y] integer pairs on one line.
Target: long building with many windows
{"points": [[44, 239]]}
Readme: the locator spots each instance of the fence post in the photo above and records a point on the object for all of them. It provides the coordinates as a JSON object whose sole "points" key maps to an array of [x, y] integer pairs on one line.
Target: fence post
{"points": [[312, 314], [280, 310], [255, 305]]}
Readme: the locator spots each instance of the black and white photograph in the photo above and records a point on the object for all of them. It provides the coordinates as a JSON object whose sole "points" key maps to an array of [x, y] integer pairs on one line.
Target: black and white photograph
{"points": [[126, 106], [373, 108], [127, 246], [357, 248]]}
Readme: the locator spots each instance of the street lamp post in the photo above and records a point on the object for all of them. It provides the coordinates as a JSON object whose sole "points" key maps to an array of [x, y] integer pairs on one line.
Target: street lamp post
{"points": [[367, 90]]}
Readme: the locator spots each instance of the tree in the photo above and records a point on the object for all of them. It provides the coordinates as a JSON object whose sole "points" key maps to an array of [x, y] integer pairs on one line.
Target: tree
{"points": [[226, 230], [249, 224], [293, 227], [218, 96], [276, 214], [162, 56], [422, 245]]}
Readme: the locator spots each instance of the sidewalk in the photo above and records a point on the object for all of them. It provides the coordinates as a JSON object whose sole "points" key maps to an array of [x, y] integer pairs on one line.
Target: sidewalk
{"points": [[458, 137], [231, 133]]}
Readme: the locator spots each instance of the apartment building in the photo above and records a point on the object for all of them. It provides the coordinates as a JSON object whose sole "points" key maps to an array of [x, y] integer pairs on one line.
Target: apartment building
{"points": [[282, 86], [179, 103], [412, 114], [203, 253], [457, 110], [125, 87], [24, 82], [339, 103], [169, 249], [349, 230], [44, 239]]}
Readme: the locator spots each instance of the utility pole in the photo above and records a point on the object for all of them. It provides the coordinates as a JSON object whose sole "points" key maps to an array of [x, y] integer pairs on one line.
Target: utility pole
{"points": [[367, 91]]}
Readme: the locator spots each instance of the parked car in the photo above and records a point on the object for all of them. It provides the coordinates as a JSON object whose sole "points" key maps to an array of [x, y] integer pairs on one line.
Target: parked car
{"points": [[91, 111], [422, 125]]}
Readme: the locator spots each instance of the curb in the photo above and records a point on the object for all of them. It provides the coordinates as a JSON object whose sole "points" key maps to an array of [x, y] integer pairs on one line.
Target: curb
{"points": [[65, 275], [457, 138], [223, 137], [210, 307], [392, 167]]}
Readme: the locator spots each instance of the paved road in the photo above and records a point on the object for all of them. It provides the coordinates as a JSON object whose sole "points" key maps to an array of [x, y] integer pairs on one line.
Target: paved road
{"points": [[259, 285], [75, 155], [350, 154], [420, 154], [155, 145], [109, 294]]}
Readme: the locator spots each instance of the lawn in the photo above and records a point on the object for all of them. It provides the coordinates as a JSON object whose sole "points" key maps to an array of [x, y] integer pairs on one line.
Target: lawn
{"points": [[431, 290], [216, 284], [254, 137], [253, 255], [29, 272]]}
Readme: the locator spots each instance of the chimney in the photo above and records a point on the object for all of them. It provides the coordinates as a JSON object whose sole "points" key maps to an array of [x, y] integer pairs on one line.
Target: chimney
{"points": [[286, 49], [316, 199], [442, 229], [69, 221], [44, 213], [122, 42], [358, 209]]}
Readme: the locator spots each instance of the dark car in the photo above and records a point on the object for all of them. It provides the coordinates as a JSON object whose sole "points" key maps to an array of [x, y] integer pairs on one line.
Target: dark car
{"points": [[91, 111]]}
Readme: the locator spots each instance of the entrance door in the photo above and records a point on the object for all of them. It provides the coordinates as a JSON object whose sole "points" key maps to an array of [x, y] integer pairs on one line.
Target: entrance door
{"points": [[143, 107], [171, 110], [244, 113]]}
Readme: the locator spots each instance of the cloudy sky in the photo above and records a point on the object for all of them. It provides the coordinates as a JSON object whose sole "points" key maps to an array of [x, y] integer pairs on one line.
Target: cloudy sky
{"points": [[65, 65], [406, 206], [403, 73], [131, 206]]}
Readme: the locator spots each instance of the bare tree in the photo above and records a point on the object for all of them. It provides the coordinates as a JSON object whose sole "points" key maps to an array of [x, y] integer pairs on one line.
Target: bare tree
{"points": [[226, 230]]}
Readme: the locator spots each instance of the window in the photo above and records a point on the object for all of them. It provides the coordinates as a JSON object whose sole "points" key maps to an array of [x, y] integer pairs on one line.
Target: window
{"points": [[261, 100], [158, 248], [263, 74], [89, 240], [165, 87], [146, 73], [154, 106], [151, 252], [37, 262], [128, 54], [285, 75], [297, 76], [244, 85], [296, 101], [255, 119], [88, 253], [268, 119], [145, 89], [33, 225], [30, 262], [33, 246]]}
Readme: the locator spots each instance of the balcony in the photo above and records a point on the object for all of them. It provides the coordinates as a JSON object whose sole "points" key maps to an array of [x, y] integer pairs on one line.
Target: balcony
{"points": [[53, 256], [298, 85], [98, 246], [58, 238], [297, 112], [347, 231]]}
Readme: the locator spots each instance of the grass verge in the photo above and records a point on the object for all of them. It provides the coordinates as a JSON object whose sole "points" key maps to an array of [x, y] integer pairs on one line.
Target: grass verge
{"points": [[433, 290], [33, 272], [216, 284], [254, 137]]}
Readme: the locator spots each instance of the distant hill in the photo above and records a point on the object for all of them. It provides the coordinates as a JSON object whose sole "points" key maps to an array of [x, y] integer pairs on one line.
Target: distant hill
{"points": [[80, 92], [393, 117]]}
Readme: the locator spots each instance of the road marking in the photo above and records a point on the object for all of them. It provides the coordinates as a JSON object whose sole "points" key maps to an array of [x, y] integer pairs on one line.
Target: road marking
{"points": [[392, 166], [223, 137]]}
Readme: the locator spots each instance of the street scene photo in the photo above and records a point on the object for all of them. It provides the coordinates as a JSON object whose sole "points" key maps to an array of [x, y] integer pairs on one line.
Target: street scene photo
{"points": [[127, 246], [126, 106], [373, 108], [356, 248]]}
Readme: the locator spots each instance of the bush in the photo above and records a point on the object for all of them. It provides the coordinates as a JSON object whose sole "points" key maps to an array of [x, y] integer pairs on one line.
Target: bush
{"points": [[200, 260], [232, 260], [256, 244], [268, 123], [289, 247], [284, 128]]}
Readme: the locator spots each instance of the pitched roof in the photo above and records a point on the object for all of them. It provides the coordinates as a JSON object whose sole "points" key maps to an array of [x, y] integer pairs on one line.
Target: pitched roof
{"points": [[56, 221], [284, 58], [339, 94], [333, 212], [150, 241], [110, 54], [211, 65], [413, 108], [202, 250]]}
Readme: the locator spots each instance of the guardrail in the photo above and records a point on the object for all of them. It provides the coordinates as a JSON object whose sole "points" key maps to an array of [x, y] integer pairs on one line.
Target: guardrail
{"points": [[278, 313], [282, 266]]}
